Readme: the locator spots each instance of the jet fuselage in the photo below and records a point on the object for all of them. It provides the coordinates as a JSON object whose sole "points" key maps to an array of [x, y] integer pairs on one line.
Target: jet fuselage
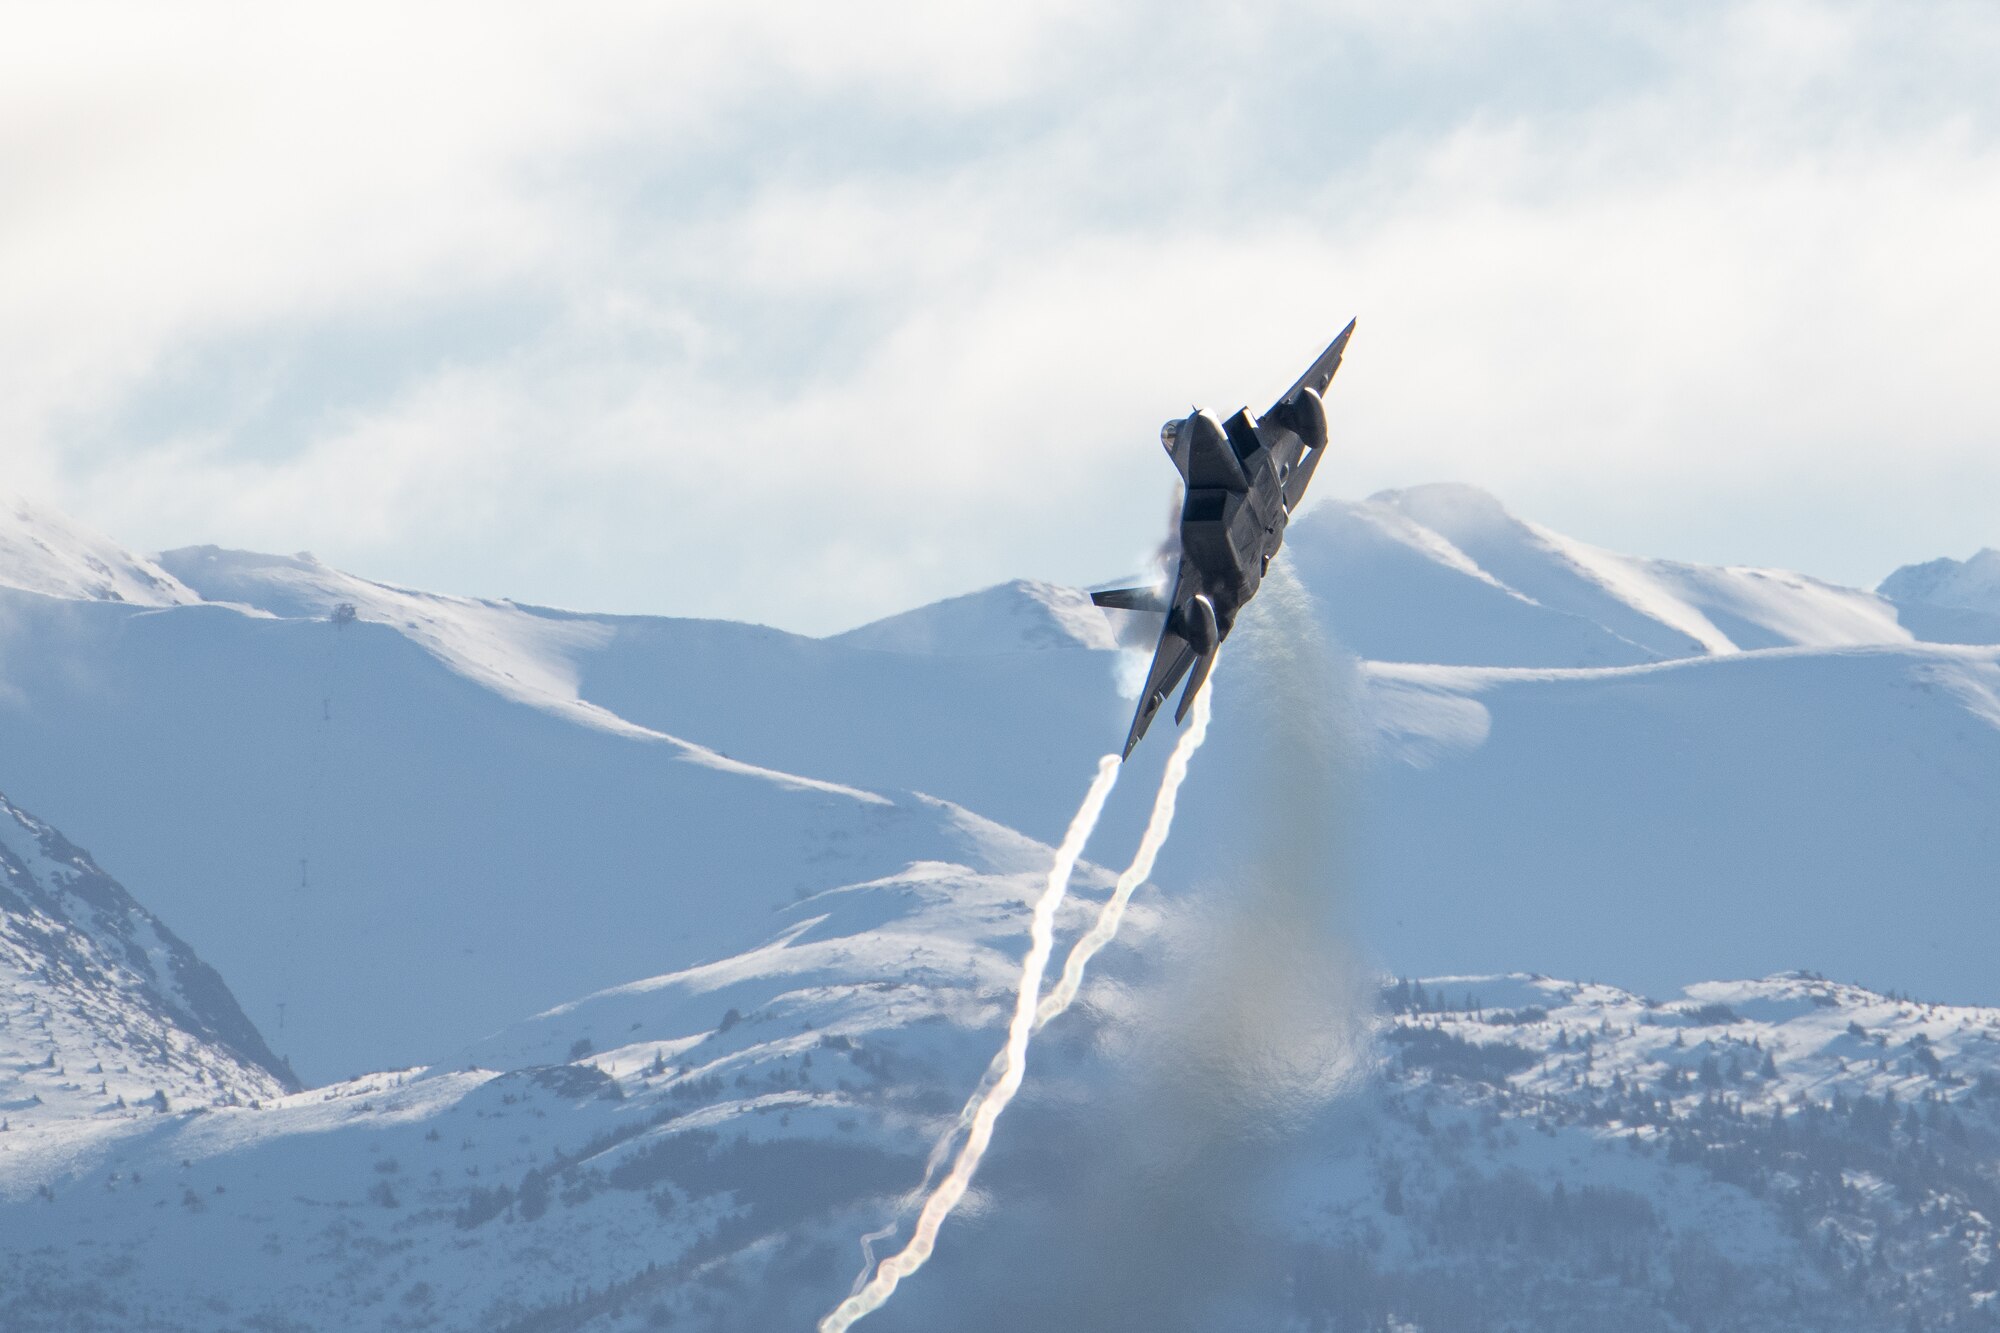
{"points": [[1242, 478]]}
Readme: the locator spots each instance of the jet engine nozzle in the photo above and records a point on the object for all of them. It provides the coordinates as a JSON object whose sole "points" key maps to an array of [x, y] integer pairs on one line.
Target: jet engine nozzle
{"points": [[1197, 624], [1304, 415]]}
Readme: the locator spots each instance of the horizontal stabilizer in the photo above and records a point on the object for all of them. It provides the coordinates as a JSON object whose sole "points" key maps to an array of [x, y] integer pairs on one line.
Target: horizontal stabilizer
{"points": [[1130, 599]]}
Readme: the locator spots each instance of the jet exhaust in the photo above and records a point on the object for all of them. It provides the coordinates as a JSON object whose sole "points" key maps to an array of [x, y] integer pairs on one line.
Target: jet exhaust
{"points": [[1241, 482], [1161, 823], [996, 1093], [1102, 932]]}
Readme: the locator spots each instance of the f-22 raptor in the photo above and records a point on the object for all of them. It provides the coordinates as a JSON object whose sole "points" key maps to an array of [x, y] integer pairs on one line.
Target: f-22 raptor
{"points": [[1243, 477]]}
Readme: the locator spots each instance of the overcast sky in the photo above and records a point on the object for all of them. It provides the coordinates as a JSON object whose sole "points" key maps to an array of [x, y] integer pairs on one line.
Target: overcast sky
{"points": [[808, 312]]}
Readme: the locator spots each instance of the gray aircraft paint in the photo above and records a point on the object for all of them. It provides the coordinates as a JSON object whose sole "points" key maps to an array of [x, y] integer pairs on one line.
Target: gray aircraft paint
{"points": [[1243, 477]]}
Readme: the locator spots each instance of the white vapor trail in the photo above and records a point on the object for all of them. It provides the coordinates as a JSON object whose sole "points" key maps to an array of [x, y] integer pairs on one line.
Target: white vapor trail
{"points": [[1041, 942], [1063, 993]]}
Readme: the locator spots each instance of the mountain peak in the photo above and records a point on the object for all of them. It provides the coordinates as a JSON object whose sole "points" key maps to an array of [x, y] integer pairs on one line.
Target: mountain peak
{"points": [[1448, 505], [1965, 585], [1504, 591], [1024, 615]]}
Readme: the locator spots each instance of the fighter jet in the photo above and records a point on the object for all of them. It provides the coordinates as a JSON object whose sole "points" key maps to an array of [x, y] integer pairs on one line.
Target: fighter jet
{"points": [[1243, 478]]}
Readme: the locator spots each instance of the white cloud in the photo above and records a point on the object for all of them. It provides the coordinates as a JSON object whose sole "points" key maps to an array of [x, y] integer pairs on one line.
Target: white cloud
{"points": [[822, 310]]}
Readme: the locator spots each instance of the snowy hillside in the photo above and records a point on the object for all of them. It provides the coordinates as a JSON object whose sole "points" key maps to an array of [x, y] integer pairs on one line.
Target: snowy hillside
{"points": [[1756, 812], [1949, 601], [803, 1081], [397, 855], [886, 707], [688, 937], [1445, 574], [1969, 585], [519, 653], [105, 1015], [644, 791], [43, 550], [1780, 1154], [1021, 616]]}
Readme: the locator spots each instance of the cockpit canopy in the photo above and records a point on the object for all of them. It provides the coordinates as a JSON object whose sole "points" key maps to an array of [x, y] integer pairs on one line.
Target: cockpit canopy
{"points": [[1171, 433]]}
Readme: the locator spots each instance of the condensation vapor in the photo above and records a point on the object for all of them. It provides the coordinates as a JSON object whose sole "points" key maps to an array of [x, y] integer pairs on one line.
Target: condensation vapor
{"points": [[1142, 1201], [1275, 996], [994, 1099], [1063, 994], [1105, 928]]}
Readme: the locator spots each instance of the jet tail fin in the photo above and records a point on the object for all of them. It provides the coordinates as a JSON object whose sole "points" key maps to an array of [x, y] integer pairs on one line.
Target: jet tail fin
{"points": [[1195, 679], [1302, 475]]}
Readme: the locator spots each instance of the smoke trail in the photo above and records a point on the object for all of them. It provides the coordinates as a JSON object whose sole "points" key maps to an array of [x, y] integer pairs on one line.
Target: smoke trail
{"points": [[1041, 942], [1063, 993]]}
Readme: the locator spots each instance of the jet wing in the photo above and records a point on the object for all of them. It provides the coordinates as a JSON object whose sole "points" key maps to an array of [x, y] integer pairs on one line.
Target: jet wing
{"points": [[1318, 376], [1171, 661], [1320, 373]]}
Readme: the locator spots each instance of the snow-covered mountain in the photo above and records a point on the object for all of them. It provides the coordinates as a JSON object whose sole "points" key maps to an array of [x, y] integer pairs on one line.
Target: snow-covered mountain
{"points": [[1949, 601], [395, 853], [1788, 1153], [1774, 809], [44, 550], [1021, 616], [105, 1014], [1445, 574], [294, 790], [687, 975], [1969, 585]]}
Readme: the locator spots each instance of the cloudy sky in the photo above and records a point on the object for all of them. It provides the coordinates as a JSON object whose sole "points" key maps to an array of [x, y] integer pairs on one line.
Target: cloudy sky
{"points": [[807, 312]]}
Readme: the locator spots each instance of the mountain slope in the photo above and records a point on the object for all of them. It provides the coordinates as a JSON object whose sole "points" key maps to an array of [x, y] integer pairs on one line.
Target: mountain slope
{"points": [[1785, 1154], [1949, 601], [428, 831], [529, 758], [1022, 616], [1487, 588], [394, 853], [938, 700], [1969, 585], [716, 1106], [517, 652], [43, 550], [1396, 591], [1767, 810], [104, 1012]]}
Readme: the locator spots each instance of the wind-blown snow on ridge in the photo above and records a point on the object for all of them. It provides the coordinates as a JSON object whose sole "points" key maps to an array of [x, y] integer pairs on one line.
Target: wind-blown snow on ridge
{"points": [[1515, 593], [43, 550]]}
